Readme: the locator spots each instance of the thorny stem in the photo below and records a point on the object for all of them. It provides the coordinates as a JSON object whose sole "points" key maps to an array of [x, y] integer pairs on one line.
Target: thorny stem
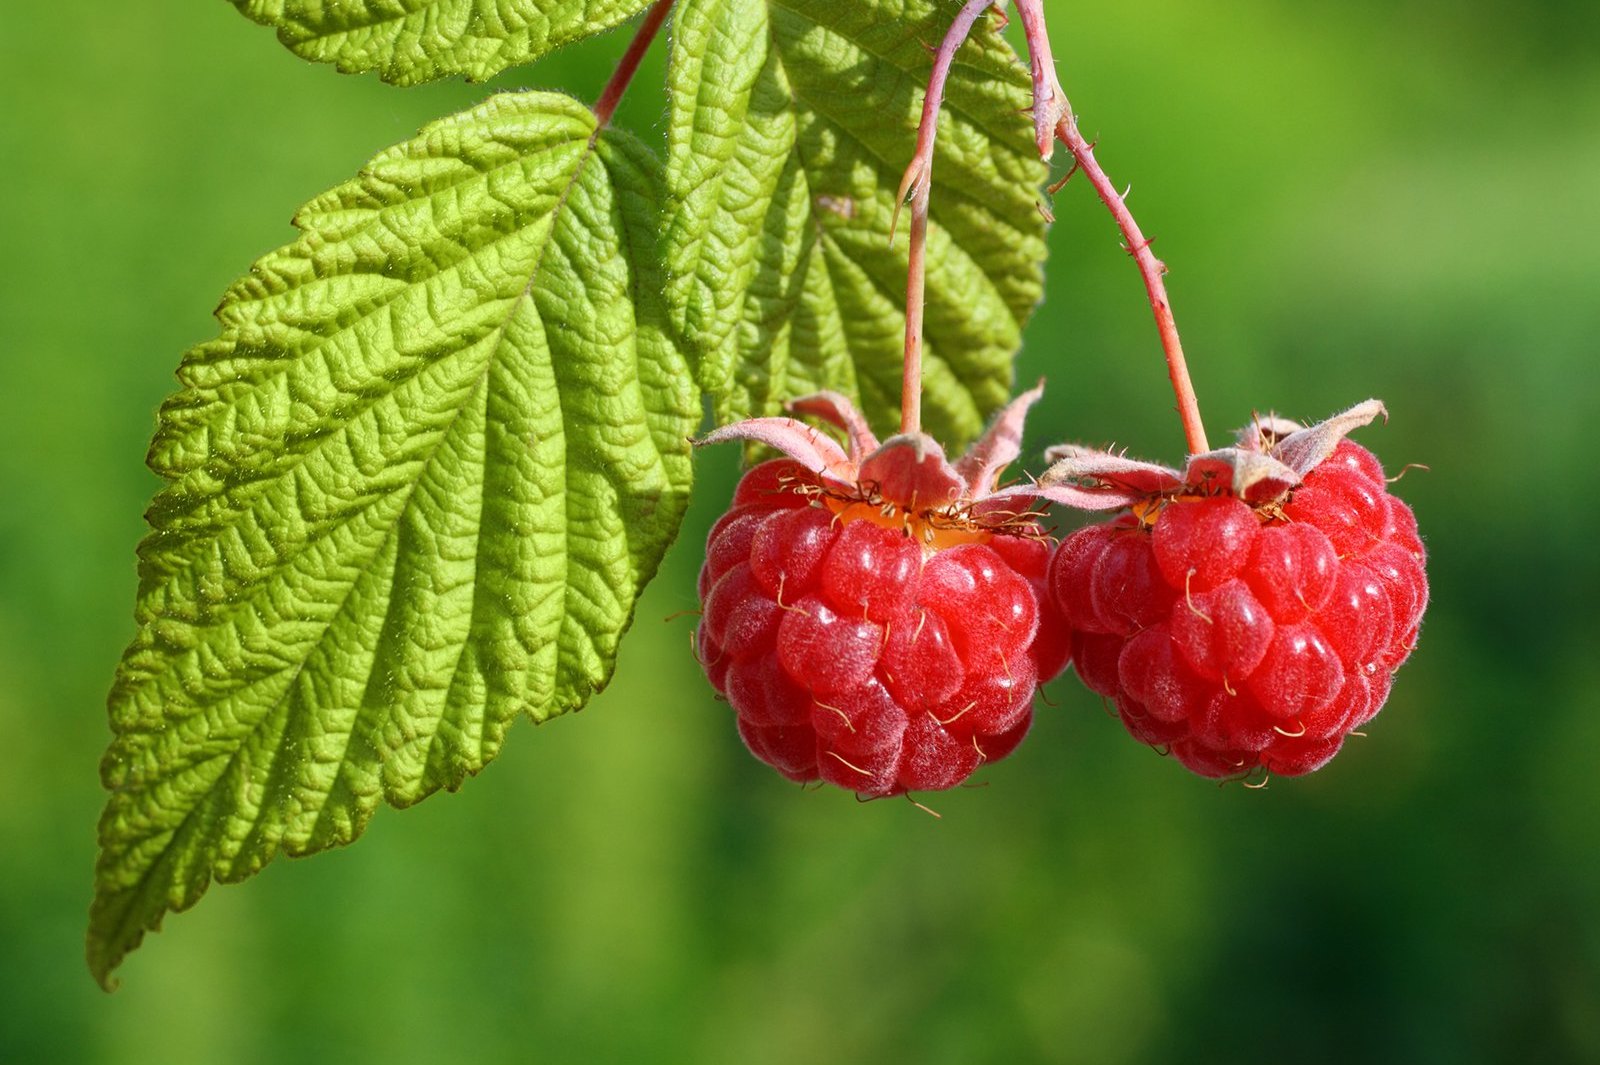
{"points": [[1151, 269], [1050, 107], [1053, 119], [628, 65], [1049, 102], [918, 182]]}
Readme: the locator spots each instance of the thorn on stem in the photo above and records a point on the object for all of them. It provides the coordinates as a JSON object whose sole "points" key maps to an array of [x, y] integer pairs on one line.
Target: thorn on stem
{"points": [[1061, 184], [909, 183]]}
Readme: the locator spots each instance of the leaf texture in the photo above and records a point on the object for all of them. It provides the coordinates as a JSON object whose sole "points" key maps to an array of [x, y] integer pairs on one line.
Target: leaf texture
{"points": [[414, 487], [791, 123], [412, 41]]}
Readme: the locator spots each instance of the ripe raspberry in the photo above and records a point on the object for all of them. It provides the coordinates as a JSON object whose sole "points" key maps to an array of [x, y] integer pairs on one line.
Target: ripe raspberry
{"points": [[872, 617], [1251, 612]]}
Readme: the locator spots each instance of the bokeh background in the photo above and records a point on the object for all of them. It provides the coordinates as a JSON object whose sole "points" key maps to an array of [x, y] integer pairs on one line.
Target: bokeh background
{"points": [[1364, 198]]}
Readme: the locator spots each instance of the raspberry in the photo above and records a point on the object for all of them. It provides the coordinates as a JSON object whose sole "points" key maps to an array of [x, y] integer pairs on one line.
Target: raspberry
{"points": [[1250, 622], [885, 643]]}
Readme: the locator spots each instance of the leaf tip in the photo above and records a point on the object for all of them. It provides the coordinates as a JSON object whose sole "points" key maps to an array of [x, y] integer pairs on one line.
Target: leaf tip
{"points": [[104, 952]]}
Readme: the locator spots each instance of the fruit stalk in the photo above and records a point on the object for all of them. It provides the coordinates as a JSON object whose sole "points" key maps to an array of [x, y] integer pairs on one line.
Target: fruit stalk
{"points": [[918, 183], [1053, 120], [916, 284], [628, 65], [1052, 109], [1150, 269]]}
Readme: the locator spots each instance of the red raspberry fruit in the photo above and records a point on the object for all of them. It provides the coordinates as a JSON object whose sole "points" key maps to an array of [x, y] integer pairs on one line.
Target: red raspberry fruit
{"points": [[872, 617], [1251, 612]]}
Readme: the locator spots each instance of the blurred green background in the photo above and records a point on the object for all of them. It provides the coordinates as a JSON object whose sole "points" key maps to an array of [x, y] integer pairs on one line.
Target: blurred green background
{"points": [[1355, 199]]}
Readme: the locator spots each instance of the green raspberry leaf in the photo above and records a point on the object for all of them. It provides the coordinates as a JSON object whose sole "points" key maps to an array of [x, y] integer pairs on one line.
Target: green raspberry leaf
{"points": [[790, 127], [414, 487], [412, 41]]}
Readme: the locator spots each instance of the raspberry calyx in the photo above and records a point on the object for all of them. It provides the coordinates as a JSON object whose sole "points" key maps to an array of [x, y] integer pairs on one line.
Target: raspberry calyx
{"points": [[1249, 612], [873, 615]]}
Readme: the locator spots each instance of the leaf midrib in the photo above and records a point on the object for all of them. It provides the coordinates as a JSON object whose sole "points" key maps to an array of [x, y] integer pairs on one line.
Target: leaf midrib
{"points": [[139, 888], [241, 496]]}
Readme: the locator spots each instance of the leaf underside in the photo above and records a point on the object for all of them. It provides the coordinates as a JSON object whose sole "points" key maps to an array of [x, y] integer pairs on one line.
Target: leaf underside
{"points": [[414, 487], [412, 41], [791, 123]]}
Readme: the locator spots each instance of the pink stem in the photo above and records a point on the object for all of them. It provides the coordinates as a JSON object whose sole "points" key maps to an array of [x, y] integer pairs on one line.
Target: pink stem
{"points": [[1049, 102], [916, 283], [1053, 114], [918, 181], [1151, 269], [628, 65]]}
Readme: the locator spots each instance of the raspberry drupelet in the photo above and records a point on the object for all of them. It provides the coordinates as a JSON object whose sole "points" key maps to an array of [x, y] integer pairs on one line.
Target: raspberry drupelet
{"points": [[874, 618], [1250, 613]]}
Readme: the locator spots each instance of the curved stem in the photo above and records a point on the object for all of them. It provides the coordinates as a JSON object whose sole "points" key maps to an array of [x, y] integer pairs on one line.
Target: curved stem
{"points": [[918, 182], [1052, 112], [1150, 268], [628, 65]]}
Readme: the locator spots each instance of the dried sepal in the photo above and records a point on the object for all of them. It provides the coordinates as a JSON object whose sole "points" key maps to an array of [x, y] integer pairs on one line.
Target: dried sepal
{"points": [[807, 445], [1103, 480], [1264, 431], [1306, 449], [999, 446], [1271, 457], [1252, 476], [909, 471], [837, 410]]}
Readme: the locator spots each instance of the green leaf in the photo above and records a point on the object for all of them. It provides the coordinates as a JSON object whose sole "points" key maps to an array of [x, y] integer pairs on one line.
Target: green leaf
{"points": [[412, 41], [414, 487], [791, 124]]}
